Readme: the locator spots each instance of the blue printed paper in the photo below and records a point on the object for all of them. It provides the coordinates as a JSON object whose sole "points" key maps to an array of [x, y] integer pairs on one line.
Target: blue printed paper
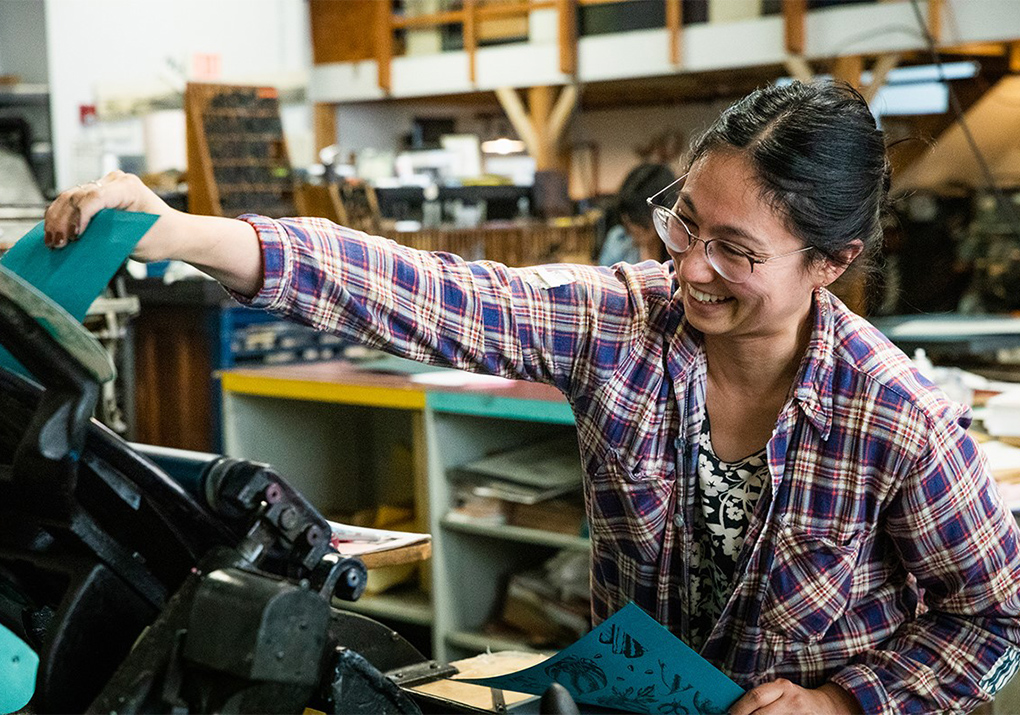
{"points": [[631, 663]]}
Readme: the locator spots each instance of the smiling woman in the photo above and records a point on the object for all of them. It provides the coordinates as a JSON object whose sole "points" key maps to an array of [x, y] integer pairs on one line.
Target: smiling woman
{"points": [[766, 474]]}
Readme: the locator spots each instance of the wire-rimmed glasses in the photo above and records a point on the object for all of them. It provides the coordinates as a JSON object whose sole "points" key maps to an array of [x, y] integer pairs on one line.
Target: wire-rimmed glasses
{"points": [[731, 262]]}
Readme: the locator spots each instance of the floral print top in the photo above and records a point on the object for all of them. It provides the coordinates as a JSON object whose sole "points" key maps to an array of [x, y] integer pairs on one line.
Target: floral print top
{"points": [[727, 495]]}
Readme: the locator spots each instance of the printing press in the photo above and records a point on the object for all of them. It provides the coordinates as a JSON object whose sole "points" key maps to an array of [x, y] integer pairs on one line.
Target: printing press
{"points": [[166, 581]]}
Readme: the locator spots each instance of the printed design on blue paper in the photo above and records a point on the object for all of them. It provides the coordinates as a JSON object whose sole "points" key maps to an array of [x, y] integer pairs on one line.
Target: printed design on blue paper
{"points": [[629, 663], [630, 699], [622, 643], [677, 685], [580, 675]]}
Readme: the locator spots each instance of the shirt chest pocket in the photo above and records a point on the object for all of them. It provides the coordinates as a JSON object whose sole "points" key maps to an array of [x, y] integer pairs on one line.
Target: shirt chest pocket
{"points": [[630, 503], [810, 583]]}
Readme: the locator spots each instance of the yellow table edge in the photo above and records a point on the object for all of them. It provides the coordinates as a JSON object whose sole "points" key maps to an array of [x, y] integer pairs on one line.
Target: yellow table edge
{"points": [[264, 386]]}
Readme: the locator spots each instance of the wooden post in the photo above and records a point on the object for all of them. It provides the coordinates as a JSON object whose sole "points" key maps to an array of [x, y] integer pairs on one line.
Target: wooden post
{"points": [[674, 25], [541, 126], [324, 125], [383, 43], [471, 39], [935, 20], [794, 17], [561, 113], [567, 35], [848, 69], [540, 100]]}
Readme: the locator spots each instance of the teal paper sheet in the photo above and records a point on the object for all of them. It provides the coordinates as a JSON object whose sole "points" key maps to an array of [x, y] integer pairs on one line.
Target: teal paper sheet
{"points": [[74, 276], [18, 667], [630, 663]]}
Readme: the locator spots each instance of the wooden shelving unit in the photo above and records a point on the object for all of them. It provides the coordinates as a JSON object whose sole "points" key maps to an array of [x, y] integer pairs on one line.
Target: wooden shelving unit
{"points": [[237, 154]]}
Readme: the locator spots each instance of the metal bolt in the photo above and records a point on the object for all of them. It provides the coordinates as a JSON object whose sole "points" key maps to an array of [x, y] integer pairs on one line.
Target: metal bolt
{"points": [[288, 518]]}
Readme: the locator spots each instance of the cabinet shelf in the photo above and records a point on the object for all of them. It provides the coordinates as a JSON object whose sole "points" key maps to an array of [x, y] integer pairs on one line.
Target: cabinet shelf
{"points": [[517, 533], [409, 605]]}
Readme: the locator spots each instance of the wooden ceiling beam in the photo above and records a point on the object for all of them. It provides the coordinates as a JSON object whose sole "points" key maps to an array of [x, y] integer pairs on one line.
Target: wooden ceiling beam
{"points": [[881, 69]]}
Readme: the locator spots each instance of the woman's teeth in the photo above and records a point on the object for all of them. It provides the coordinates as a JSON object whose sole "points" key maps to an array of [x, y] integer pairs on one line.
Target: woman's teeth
{"points": [[706, 297]]}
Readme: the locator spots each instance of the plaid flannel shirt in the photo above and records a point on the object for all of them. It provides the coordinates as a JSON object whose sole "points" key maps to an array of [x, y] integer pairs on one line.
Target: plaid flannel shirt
{"points": [[880, 556]]}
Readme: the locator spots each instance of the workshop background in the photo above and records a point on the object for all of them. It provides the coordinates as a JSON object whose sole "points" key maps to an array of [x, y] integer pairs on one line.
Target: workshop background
{"points": [[495, 129]]}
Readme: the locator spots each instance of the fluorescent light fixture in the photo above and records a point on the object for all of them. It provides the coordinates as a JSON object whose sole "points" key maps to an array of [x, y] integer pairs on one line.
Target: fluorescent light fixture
{"points": [[912, 75], [503, 145], [912, 90], [918, 98], [927, 73]]}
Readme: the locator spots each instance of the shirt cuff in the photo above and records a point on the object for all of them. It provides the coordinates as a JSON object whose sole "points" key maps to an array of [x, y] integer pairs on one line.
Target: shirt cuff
{"points": [[276, 264], [862, 683]]}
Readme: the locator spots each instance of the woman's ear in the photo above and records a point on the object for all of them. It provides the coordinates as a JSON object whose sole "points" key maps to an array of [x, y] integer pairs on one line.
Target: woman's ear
{"points": [[831, 270]]}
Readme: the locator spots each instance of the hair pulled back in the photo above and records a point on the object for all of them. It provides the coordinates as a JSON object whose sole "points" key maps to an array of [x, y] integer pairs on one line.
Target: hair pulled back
{"points": [[819, 157]]}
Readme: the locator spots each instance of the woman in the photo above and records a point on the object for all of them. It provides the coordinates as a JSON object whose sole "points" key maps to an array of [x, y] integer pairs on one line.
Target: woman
{"points": [[766, 474]]}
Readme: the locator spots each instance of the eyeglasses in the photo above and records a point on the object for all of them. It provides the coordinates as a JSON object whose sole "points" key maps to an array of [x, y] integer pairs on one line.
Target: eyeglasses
{"points": [[731, 262]]}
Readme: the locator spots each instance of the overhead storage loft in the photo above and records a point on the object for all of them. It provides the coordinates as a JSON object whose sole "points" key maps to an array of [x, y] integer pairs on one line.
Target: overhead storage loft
{"points": [[798, 42]]}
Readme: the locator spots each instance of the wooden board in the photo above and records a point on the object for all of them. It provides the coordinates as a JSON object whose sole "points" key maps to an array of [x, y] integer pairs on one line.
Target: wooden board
{"points": [[482, 666]]}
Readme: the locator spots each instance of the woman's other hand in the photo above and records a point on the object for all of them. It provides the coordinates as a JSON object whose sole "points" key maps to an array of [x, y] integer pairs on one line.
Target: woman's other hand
{"points": [[781, 697]]}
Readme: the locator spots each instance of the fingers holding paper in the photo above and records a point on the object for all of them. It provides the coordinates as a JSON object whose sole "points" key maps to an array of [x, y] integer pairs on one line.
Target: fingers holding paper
{"points": [[781, 697], [226, 249], [69, 215]]}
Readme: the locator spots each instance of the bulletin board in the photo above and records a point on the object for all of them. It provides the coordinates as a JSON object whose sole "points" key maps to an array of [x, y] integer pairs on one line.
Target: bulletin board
{"points": [[237, 155]]}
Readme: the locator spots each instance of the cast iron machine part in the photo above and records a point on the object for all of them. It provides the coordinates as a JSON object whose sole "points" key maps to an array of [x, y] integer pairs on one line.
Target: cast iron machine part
{"points": [[154, 580], [140, 593]]}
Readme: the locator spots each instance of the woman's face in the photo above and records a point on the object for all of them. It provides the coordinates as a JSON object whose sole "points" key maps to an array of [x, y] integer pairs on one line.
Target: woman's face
{"points": [[720, 200]]}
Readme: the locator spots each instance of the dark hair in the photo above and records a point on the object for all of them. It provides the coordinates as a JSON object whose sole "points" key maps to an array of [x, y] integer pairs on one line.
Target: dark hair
{"points": [[819, 156], [642, 181]]}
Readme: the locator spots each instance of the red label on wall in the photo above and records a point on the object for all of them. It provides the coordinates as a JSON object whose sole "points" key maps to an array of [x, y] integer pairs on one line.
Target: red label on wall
{"points": [[87, 114], [206, 66]]}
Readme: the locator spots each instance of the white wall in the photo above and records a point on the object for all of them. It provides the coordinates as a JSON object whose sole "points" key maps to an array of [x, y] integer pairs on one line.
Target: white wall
{"points": [[382, 126], [619, 133], [23, 40], [146, 48]]}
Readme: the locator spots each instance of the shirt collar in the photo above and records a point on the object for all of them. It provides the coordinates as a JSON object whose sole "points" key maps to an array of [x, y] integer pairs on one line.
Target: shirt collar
{"points": [[812, 389]]}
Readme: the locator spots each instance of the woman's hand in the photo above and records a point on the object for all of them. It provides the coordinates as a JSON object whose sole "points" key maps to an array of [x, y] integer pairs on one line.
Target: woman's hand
{"points": [[226, 249], [69, 215], [781, 697]]}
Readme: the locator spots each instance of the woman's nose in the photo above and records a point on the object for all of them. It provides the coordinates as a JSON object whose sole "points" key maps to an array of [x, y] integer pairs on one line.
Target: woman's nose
{"points": [[694, 266]]}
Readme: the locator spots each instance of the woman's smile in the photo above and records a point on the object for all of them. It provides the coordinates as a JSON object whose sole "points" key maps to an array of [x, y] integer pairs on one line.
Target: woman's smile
{"points": [[703, 297]]}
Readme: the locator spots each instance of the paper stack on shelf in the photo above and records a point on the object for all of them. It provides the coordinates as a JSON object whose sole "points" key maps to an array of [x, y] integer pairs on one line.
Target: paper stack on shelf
{"points": [[525, 475], [549, 606]]}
